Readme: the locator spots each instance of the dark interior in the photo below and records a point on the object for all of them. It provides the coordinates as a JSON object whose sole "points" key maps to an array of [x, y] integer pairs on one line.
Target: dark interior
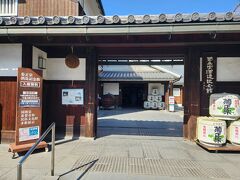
{"points": [[133, 95]]}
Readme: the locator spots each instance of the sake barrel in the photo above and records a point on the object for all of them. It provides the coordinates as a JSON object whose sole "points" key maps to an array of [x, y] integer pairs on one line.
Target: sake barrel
{"points": [[233, 132], [161, 105], [211, 131], [155, 92], [147, 105], [154, 105], [224, 106], [108, 101], [158, 98], [150, 98]]}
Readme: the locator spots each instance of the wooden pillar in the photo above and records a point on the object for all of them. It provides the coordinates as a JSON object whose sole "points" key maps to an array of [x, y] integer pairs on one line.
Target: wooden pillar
{"points": [[192, 93], [166, 94], [91, 93], [209, 75], [27, 52], [170, 88]]}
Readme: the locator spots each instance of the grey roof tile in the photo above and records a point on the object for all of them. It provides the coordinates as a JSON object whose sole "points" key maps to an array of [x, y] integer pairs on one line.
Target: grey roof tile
{"points": [[135, 76], [130, 19]]}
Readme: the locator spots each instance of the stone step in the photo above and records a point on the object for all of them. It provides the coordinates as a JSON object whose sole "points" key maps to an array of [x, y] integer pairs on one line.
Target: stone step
{"points": [[46, 178]]}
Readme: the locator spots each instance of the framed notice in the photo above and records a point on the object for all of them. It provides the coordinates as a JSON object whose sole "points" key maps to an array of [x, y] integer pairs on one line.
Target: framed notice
{"points": [[28, 133], [171, 100], [29, 105], [72, 97], [171, 103]]}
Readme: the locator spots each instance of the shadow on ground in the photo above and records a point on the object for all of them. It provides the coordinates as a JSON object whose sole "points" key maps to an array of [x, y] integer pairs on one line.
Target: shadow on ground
{"points": [[139, 122], [139, 128]]}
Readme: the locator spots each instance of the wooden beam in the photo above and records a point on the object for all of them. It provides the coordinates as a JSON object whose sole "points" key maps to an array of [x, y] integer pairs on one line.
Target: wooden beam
{"points": [[91, 93], [192, 93], [27, 51], [142, 63], [205, 95]]}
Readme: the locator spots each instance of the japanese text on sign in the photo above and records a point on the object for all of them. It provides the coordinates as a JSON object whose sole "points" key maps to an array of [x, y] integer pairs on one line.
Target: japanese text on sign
{"points": [[28, 117], [209, 84], [29, 105], [27, 80]]}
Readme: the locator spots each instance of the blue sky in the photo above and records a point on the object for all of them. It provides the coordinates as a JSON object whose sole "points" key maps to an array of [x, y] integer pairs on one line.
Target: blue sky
{"points": [[126, 7]]}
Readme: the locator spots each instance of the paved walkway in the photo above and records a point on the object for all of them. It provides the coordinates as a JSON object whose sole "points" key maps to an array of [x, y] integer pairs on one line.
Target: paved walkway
{"points": [[119, 157], [140, 122]]}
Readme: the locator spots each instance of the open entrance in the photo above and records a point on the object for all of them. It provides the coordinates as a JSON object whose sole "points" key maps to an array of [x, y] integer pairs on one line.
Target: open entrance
{"points": [[134, 96]]}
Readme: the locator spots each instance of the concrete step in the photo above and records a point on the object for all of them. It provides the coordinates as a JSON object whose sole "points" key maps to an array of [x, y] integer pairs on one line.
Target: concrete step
{"points": [[46, 178]]}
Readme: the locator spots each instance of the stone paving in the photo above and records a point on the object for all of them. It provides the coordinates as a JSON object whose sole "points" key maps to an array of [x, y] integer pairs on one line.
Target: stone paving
{"points": [[125, 156], [140, 122]]}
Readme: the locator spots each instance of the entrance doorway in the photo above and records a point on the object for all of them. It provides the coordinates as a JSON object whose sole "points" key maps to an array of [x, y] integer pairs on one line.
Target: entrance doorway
{"points": [[133, 85], [132, 95]]}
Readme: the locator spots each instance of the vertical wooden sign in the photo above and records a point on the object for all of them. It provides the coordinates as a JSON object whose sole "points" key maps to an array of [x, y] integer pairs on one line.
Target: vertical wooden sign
{"points": [[29, 106], [209, 76]]}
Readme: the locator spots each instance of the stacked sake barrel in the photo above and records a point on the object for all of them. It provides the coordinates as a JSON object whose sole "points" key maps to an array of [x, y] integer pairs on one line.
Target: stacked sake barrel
{"points": [[227, 107], [154, 100], [224, 124], [211, 131]]}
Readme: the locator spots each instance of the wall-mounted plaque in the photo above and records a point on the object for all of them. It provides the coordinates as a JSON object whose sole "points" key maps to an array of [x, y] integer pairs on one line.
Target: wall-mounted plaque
{"points": [[72, 96], [29, 105]]}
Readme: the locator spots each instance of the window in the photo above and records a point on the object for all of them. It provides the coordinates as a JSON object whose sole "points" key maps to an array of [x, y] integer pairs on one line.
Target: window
{"points": [[176, 91], [8, 7]]}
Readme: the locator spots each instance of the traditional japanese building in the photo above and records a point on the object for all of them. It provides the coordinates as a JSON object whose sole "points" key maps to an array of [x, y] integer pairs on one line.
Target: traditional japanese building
{"points": [[37, 31], [131, 84]]}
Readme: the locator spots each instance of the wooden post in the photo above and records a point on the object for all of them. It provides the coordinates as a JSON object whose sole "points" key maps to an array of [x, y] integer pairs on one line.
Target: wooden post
{"points": [[27, 51], [209, 76], [91, 93], [192, 93], [170, 88]]}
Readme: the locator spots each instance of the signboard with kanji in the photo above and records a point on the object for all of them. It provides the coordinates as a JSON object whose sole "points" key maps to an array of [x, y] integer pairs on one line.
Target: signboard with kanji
{"points": [[72, 97], [29, 105], [209, 74]]}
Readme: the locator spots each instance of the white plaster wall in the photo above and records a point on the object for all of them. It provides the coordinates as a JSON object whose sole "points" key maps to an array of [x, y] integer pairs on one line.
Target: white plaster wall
{"points": [[39, 53], [10, 59], [228, 69], [57, 70], [158, 86], [112, 88]]}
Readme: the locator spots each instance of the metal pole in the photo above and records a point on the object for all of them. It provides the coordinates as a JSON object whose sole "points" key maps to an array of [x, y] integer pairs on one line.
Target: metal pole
{"points": [[53, 151], [19, 172]]}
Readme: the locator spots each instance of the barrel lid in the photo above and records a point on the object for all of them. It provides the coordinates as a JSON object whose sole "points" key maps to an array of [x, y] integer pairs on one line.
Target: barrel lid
{"points": [[235, 123], [205, 119], [224, 94]]}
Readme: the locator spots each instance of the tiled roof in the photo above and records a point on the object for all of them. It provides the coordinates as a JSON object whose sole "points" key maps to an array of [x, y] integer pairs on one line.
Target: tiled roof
{"points": [[135, 76], [130, 19]]}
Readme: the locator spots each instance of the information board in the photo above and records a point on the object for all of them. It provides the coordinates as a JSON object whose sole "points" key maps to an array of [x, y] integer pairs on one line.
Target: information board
{"points": [[72, 96], [171, 103], [29, 105]]}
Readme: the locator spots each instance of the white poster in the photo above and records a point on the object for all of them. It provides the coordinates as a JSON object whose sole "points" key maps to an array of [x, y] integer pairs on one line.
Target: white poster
{"points": [[171, 103], [28, 133], [72, 96], [171, 100]]}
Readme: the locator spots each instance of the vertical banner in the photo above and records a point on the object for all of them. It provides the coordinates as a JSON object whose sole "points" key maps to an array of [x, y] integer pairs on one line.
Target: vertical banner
{"points": [[171, 103], [209, 74], [29, 105]]}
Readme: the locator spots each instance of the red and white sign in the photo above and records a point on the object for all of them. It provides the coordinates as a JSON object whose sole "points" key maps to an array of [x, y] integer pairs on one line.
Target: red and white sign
{"points": [[171, 103], [171, 100]]}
